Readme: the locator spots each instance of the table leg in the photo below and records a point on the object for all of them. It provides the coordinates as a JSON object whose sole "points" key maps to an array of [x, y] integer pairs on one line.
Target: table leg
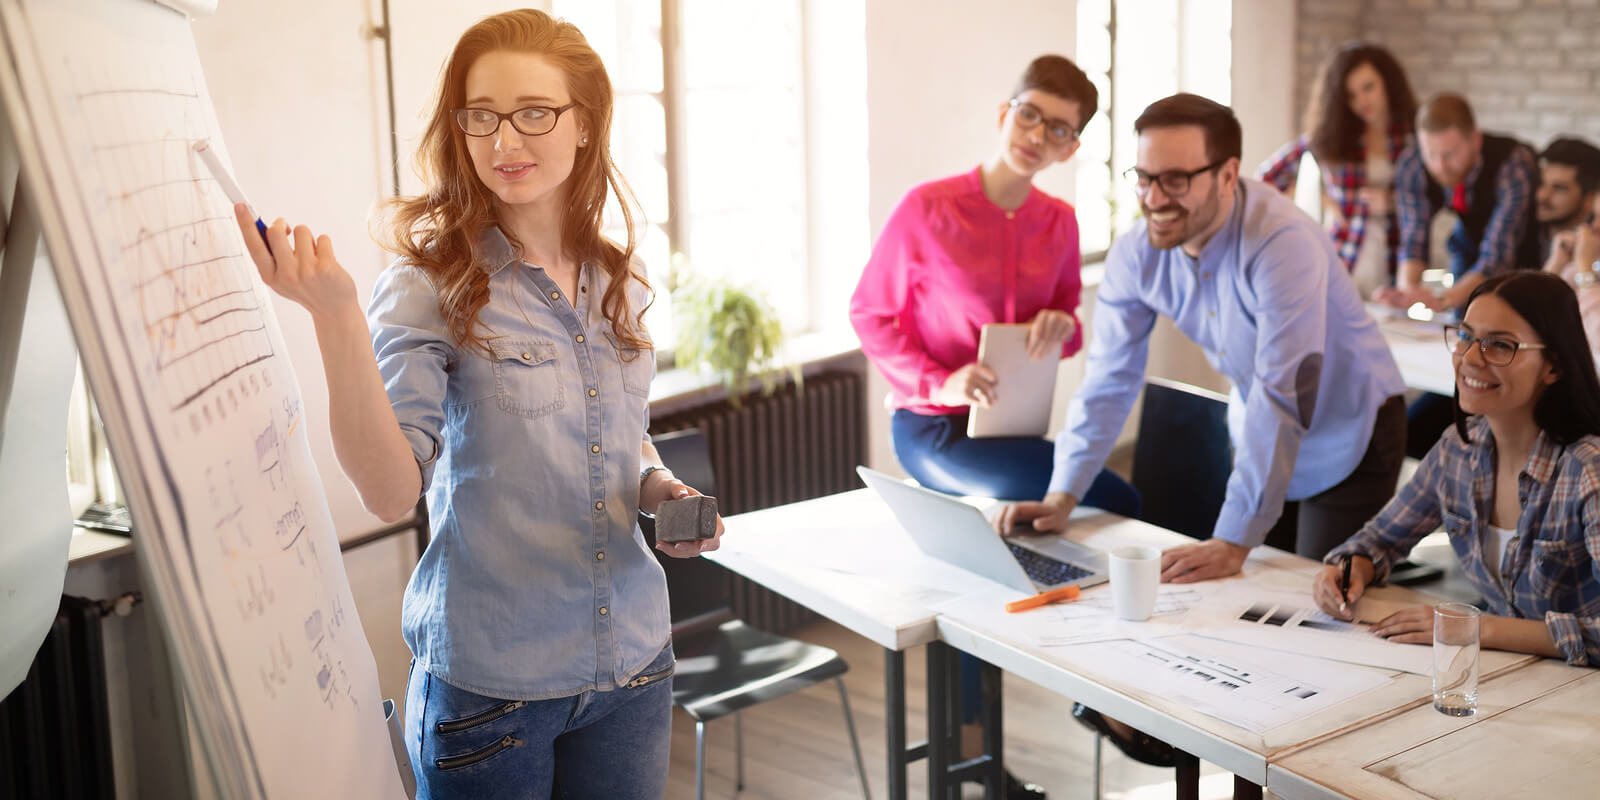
{"points": [[894, 676], [1188, 777], [993, 732], [943, 727], [1245, 790]]}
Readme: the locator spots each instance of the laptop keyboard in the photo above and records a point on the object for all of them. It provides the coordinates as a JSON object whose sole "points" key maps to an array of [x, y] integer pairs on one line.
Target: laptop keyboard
{"points": [[1044, 569]]}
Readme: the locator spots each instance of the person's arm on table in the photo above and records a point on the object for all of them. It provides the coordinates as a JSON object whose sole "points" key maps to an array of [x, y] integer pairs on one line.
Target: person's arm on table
{"points": [[1413, 214], [1291, 329], [1113, 376]]}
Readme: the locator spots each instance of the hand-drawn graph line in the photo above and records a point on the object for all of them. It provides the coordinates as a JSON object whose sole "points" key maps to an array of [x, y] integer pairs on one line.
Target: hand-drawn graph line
{"points": [[192, 283]]}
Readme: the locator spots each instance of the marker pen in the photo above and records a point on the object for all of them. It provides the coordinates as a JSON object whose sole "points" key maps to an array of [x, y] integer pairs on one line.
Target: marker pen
{"points": [[229, 186]]}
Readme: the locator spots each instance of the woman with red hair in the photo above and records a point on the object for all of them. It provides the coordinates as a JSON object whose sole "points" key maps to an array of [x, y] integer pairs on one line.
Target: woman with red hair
{"points": [[511, 385]]}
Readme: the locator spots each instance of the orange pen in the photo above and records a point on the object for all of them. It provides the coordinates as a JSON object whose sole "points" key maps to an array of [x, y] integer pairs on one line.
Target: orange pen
{"points": [[1044, 598]]}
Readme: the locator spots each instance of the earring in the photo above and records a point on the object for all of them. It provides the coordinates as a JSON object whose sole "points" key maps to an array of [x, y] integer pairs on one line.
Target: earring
{"points": [[585, 140]]}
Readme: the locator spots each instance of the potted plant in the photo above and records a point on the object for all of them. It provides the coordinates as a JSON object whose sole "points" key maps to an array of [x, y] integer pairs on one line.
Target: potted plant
{"points": [[729, 330]]}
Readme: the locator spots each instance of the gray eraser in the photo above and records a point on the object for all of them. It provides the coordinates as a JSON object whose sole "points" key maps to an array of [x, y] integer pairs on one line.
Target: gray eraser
{"points": [[686, 519]]}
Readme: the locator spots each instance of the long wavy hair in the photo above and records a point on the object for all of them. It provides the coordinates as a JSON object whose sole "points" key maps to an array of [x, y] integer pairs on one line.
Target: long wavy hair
{"points": [[1336, 131], [440, 229]]}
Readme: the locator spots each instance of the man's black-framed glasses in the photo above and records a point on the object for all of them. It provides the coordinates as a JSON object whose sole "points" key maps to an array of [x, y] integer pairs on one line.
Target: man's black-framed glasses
{"points": [[1174, 182], [530, 121], [1496, 350], [1028, 116]]}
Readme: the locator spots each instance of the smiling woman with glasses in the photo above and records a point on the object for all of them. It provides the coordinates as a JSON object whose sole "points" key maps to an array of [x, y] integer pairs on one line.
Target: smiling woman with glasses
{"points": [[1515, 483], [966, 251]]}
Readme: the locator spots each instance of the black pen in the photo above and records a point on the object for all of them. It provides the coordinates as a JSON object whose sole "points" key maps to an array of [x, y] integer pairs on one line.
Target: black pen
{"points": [[1344, 583]]}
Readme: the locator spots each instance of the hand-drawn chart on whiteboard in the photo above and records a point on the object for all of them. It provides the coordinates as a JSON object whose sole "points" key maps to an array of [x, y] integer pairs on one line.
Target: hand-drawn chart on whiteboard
{"points": [[201, 406]]}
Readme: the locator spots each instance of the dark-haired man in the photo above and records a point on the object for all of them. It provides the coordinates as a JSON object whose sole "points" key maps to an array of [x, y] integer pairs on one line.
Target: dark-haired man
{"points": [[1316, 414], [1569, 181]]}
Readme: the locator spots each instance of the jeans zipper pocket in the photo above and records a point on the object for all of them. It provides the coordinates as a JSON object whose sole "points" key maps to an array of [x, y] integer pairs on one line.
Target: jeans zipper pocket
{"points": [[642, 680], [479, 755], [455, 725]]}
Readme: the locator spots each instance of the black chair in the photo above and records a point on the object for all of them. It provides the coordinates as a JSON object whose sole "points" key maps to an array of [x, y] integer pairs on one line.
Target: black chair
{"points": [[1182, 458], [724, 665]]}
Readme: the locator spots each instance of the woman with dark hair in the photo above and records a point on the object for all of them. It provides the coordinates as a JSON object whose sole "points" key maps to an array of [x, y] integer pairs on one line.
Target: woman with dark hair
{"points": [[511, 384], [985, 246], [1359, 120], [1516, 482]]}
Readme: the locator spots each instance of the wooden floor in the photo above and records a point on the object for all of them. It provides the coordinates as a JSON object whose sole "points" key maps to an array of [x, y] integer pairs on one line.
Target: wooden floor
{"points": [[797, 747]]}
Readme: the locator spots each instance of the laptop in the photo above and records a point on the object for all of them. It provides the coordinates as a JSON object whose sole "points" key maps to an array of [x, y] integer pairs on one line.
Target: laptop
{"points": [[952, 531]]}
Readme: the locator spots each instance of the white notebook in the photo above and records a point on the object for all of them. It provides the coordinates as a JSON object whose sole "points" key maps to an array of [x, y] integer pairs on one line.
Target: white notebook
{"points": [[1025, 387]]}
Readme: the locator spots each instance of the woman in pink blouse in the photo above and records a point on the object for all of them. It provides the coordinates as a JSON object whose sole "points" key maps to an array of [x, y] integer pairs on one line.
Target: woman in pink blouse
{"points": [[980, 247]]}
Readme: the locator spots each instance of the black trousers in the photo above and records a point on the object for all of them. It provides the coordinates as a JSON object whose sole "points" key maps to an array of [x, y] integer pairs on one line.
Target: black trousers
{"points": [[1317, 524]]}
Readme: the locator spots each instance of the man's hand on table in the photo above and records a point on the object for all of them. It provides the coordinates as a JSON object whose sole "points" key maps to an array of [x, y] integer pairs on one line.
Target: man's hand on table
{"points": [[1202, 561]]}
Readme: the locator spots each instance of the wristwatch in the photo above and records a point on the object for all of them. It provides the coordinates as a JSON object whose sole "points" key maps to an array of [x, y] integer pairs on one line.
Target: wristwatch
{"points": [[1587, 277], [645, 473]]}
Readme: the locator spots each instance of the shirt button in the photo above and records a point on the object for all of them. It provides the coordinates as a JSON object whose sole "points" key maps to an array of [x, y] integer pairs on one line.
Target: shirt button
{"points": [[580, 338], [1205, 275], [599, 504], [601, 556], [603, 611], [1011, 215], [527, 356], [592, 393], [594, 448], [1211, 313], [555, 295]]}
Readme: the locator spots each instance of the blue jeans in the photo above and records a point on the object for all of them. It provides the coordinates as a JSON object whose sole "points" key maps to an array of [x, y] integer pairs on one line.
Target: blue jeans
{"points": [[594, 744], [934, 449]]}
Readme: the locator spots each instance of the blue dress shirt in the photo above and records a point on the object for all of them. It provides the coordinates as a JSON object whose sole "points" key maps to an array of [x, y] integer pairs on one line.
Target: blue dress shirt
{"points": [[538, 582], [1279, 317]]}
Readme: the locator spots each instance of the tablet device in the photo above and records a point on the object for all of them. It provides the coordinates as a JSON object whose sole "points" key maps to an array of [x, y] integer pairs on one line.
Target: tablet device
{"points": [[1025, 387]]}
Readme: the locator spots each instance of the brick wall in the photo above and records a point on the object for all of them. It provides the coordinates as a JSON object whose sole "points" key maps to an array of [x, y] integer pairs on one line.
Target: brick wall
{"points": [[1530, 68]]}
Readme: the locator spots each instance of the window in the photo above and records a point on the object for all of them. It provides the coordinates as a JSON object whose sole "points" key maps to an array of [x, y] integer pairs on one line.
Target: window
{"points": [[1179, 45], [717, 131]]}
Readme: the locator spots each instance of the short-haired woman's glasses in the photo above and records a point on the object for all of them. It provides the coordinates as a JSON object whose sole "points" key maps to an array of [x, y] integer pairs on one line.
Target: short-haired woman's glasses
{"points": [[1174, 183], [1028, 116], [1495, 350], [530, 121]]}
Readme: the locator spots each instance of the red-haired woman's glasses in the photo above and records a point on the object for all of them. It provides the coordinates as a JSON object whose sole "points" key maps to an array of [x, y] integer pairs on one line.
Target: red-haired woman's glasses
{"points": [[530, 121]]}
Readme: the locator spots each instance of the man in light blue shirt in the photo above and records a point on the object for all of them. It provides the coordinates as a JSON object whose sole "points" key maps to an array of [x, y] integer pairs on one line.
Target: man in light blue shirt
{"points": [[1315, 415]]}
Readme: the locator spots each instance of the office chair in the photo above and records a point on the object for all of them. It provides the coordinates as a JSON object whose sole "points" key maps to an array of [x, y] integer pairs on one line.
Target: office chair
{"points": [[724, 665], [1182, 494]]}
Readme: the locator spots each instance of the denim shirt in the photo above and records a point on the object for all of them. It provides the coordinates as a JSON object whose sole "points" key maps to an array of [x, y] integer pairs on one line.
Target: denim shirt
{"points": [[1279, 317], [538, 582], [1550, 570]]}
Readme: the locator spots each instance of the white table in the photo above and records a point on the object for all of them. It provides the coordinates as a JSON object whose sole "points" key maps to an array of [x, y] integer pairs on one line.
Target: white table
{"points": [[814, 553], [1419, 350]]}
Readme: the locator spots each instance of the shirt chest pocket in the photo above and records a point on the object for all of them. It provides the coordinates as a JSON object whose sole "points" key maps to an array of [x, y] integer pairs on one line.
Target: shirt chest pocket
{"points": [[1553, 570], [527, 378], [638, 367]]}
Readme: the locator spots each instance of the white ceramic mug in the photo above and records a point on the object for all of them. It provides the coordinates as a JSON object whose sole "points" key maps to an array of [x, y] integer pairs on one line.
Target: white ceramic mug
{"points": [[1135, 574]]}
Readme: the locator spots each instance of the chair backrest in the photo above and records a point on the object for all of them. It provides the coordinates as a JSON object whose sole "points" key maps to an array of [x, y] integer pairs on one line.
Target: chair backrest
{"points": [[1183, 457], [695, 587]]}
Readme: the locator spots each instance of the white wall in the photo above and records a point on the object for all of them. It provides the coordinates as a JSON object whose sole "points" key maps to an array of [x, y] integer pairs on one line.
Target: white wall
{"points": [[937, 72]]}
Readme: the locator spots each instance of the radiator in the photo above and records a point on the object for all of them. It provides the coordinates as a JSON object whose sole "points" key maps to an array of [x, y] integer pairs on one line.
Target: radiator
{"points": [[782, 448], [55, 735]]}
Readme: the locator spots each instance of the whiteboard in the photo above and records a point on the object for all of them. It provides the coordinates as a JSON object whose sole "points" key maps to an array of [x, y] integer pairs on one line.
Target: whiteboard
{"points": [[200, 403]]}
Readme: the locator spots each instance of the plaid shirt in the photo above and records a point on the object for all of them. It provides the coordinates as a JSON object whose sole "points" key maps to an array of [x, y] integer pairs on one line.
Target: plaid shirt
{"points": [[1343, 182], [1512, 212], [1550, 568]]}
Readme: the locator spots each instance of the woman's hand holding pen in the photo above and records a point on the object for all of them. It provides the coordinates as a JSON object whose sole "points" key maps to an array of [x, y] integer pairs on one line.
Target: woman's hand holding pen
{"points": [[1049, 329], [660, 486], [1326, 589], [303, 269]]}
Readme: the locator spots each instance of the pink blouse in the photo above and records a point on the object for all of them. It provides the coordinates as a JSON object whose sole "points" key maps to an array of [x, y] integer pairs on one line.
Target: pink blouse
{"points": [[949, 261]]}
